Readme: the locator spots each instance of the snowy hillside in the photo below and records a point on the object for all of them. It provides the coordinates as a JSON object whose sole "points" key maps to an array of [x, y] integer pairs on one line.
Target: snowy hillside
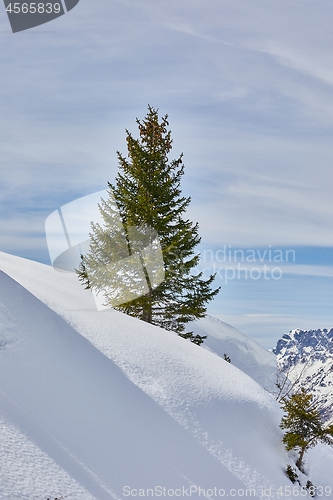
{"points": [[307, 357], [100, 405], [245, 353]]}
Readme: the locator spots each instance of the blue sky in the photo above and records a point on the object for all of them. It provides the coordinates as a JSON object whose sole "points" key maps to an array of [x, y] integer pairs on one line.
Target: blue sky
{"points": [[248, 87]]}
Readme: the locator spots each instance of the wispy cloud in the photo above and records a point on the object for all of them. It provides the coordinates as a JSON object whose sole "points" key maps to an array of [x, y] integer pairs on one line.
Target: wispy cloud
{"points": [[248, 90]]}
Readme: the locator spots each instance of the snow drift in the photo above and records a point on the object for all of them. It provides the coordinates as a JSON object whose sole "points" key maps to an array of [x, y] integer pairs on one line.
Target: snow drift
{"points": [[101, 405]]}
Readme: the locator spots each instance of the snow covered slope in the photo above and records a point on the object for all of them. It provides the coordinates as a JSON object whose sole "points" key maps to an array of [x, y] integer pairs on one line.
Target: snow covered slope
{"points": [[244, 352], [95, 402], [81, 410]]}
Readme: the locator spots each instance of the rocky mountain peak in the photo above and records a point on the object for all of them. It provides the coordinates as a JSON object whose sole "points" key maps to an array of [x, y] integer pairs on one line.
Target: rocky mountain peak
{"points": [[306, 358]]}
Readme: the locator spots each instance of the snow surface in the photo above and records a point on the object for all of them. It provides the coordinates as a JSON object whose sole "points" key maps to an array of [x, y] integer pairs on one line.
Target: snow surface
{"points": [[92, 402], [244, 352]]}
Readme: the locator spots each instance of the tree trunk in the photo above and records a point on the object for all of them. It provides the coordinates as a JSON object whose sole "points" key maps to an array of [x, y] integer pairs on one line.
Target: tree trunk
{"points": [[147, 313], [299, 462]]}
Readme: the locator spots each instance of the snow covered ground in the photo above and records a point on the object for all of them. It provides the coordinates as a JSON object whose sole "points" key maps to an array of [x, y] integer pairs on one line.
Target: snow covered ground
{"points": [[244, 352], [99, 405]]}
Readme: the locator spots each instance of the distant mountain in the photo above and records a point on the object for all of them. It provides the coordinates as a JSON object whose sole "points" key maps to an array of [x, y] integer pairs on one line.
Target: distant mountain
{"points": [[306, 357]]}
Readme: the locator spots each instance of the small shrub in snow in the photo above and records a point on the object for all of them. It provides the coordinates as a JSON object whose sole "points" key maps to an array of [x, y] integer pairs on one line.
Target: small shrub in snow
{"points": [[294, 478], [197, 339], [291, 473], [311, 488]]}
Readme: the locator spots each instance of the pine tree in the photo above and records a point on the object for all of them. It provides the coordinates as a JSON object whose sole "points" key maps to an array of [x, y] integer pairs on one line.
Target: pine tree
{"points": [[148, 196], [83, 274], [304, 425]]}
